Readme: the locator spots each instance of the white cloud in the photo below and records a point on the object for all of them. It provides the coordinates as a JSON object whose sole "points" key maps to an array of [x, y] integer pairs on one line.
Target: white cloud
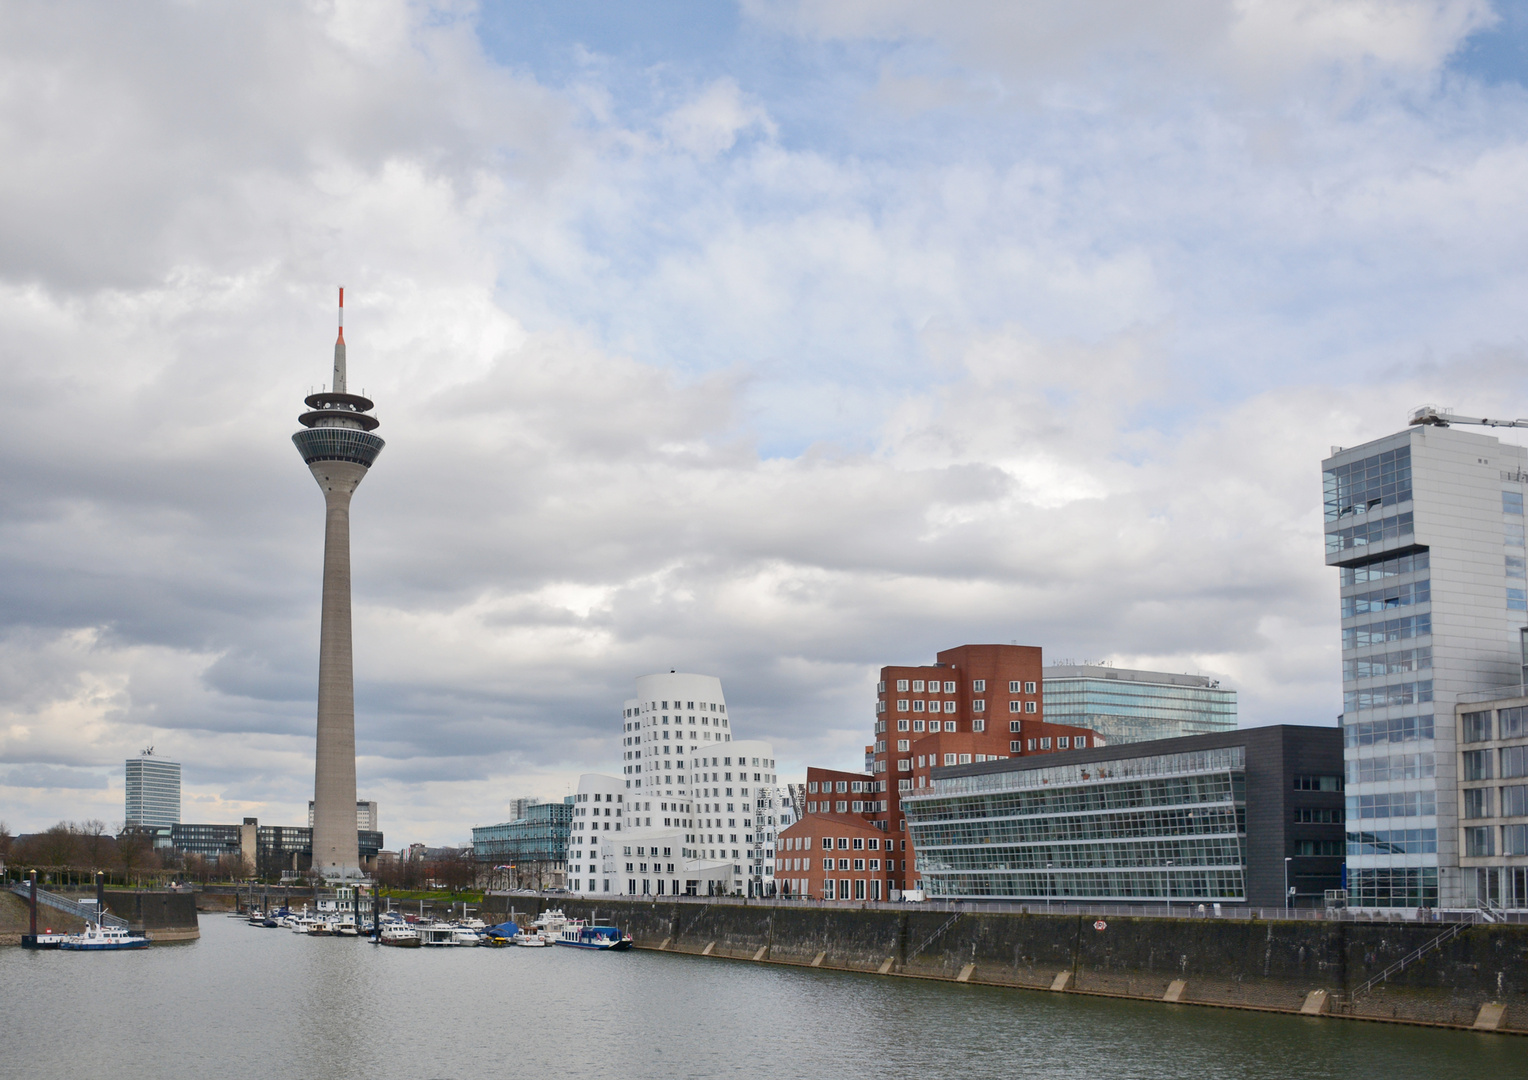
{"points": [[660, 393]]}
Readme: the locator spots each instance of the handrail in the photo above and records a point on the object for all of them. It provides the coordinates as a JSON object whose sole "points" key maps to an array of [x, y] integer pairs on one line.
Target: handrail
{"points": [[935, 935], [68, 906], [1406, 961]]}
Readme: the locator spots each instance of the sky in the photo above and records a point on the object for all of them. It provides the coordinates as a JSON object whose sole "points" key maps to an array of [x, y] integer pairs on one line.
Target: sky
{"points": [[775, 340]]}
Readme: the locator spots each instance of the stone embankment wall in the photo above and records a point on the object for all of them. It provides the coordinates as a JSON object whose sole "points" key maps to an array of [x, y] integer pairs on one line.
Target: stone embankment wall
{"points": [[1479, 979], [164, 916], [15, 919]]}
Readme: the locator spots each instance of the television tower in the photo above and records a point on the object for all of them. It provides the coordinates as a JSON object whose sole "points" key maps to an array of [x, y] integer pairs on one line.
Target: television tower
{"points": [[338, 446]]}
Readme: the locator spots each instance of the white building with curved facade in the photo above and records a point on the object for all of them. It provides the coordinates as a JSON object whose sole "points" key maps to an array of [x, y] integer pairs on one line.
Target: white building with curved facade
{"points": [[695, 810]]}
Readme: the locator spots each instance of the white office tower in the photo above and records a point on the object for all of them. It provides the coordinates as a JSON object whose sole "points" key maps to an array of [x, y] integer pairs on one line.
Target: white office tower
{"points": [[694, 812], [1427, 528], [153, 791]]}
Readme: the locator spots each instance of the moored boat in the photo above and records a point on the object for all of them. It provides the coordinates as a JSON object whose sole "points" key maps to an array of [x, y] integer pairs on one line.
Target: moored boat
{"points": [[579, 936], [98, 938], [399, 935]]}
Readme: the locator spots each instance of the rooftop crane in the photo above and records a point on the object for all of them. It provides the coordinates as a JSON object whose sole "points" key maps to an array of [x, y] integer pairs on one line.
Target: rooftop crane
{"points": [[1431, 414]]}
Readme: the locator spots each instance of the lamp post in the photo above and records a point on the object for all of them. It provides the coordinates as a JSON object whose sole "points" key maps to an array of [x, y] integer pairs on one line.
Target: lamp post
{"points": [[1167, 887], [1287, 861], [1050, 886]]}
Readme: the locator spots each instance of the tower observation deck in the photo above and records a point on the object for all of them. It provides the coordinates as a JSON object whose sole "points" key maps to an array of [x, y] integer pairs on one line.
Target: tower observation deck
{"points": [[338, 446]]}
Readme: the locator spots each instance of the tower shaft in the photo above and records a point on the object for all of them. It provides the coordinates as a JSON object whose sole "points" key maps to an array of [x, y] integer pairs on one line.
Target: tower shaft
{"points": [[336, 852]]}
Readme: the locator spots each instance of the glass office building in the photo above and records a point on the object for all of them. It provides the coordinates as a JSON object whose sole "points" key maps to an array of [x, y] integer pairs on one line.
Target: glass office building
{"points": [[1425, 528], [1128, 706], [540, 836], [1198, 819], [153, 791]]}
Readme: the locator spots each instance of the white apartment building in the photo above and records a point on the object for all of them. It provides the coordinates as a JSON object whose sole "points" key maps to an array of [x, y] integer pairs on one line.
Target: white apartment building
{"points": [[1426, 528], [695, 811], [152, 796]]}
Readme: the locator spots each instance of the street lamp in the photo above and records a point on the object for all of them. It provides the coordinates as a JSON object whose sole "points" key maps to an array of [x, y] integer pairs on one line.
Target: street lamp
{"points": [[1050, 886], [1167, 887], [1287, 861]]}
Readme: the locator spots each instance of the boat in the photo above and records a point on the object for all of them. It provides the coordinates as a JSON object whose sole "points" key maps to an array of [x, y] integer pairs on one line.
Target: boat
{"points": [[345, 926], [98, 938], [530, 939], [318, 928], [579, 936], [500, 935], [399, 935], [466, 935], [436, 934]]}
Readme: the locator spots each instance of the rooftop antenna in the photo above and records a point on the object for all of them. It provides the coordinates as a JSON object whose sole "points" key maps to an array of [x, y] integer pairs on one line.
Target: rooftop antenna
{"points": [[339, 349]]}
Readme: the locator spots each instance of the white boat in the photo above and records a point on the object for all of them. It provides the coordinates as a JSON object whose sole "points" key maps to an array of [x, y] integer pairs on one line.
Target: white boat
{"points": [[345, 926], [530, 939], [550, 923], [466, 935], [98, 938], [436, 934], [399, 934]]}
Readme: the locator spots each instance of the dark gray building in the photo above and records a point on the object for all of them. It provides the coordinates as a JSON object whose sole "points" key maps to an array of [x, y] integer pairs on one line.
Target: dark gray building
{"points": [[1203, 818]]}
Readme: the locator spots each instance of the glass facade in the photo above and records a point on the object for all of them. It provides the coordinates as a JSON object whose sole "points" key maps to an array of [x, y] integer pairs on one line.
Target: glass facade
{"points": [[338, 444], [1147, 828], [1126, 706], [541, 836], [1425, 529], [153, 791]]}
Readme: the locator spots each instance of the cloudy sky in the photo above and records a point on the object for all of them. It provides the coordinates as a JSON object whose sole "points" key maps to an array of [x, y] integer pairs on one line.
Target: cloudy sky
{"points": [[776, 340]]}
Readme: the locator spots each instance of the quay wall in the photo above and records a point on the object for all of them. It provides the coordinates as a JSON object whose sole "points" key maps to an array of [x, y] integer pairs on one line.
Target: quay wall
{"points": [[164, 916], [1260, 964]]}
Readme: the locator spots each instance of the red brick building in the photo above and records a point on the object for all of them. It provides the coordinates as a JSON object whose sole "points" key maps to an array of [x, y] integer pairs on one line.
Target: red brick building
{"points": [[974, 703], [835, 852]]}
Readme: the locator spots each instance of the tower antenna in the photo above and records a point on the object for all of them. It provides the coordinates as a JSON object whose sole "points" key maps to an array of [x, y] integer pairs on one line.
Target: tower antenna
{"points": [[339, 349]]}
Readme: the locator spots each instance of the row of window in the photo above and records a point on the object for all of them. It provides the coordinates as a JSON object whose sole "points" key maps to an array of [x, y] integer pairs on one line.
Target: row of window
{"points": [[1190, 884], [1140, 824], [1381, 633], [1480, 840], [1392, 596], [978, 686], [1166, 791], [1318, 815], [1480, 802], [654, 706], [840, 843], [802, 865], [1393, 842], [1381, 530], [1389, 729], [1393, 804], [1512, 724], [1386, 568], [1307, 782], [1379, 665], [705, 721], [1385, 697], [1478, 764], [1228, 850], [1375, 770]]}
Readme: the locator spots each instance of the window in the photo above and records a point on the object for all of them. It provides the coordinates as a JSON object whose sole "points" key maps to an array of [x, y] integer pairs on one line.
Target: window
{"points": [[1514, 801], [1320, 848], [1015, 706], [918, 705], [902, 707], [978, 725], [904, 745], [1014, 687], [1517, 566], [1013, 746], [1318, 815], [965, 759], [901, 725], [901, 686], [1318, 783], [1514, 723], [949, 706], [979, 686], [917, 686], [1014, 726], [1478, 840], [1030, 706], [949, 725], [1045, 744], [1514, 762], [1517, 599], [978, 705], [1514, 840], [917, 725], [1477, 726], [1514, 531], [1512, 502], [827, 843], [949, 688], [1029, 688], [1477, 802]]}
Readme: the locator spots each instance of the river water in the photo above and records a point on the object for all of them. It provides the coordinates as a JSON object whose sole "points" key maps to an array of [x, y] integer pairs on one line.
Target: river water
{"points": [[248, 1002]]}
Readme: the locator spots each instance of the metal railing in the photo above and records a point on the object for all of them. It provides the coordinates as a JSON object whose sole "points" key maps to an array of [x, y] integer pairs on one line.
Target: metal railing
{"points": [[67, 906], [1403, 963]]}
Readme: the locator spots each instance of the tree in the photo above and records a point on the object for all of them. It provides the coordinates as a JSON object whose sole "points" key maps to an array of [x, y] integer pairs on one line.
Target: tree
{"points": [[133, 851]]}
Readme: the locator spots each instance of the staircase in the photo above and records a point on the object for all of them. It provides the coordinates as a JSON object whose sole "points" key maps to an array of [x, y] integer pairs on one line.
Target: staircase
{"points": [[1347, 1000], [935, 935], [67, 906]]}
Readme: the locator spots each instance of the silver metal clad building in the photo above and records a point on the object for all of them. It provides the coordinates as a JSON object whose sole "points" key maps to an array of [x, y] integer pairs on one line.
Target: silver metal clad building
{"points": [[1128, 706], [153, 791], [1426, 528]]}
